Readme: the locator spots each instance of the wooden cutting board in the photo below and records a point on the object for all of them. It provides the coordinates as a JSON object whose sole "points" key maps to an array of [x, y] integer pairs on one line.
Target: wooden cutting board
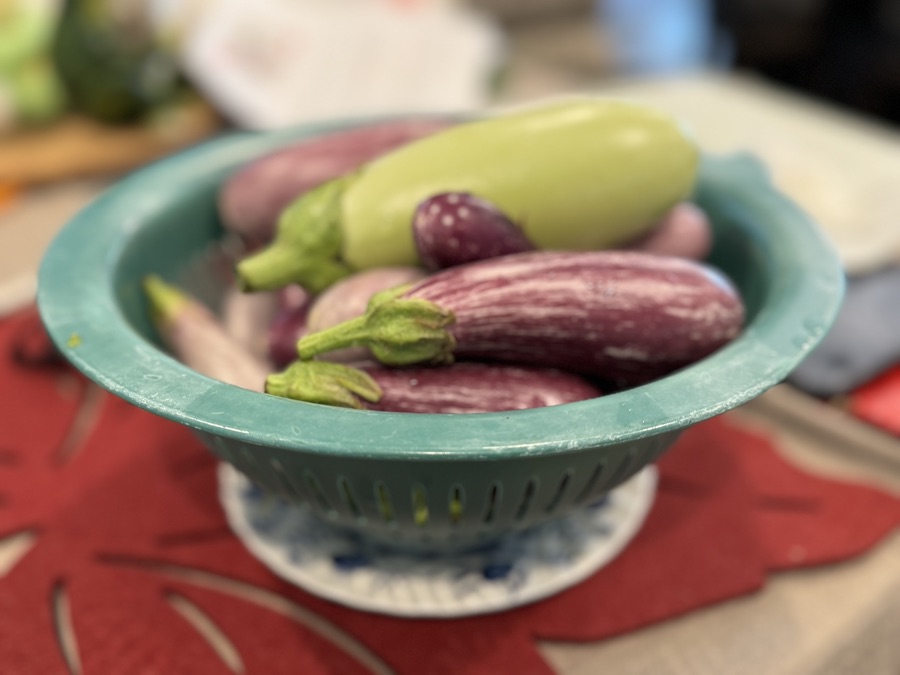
{"points": [[76, 147]]}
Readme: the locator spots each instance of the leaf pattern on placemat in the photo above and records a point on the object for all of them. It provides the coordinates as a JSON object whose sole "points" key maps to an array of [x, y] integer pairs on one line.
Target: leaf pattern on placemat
{"points": [[125, 562]]}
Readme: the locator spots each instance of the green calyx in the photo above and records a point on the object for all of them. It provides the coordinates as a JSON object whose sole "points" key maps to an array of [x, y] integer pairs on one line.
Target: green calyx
{"points": [[324, 382], [398, 332], [307, 245], [387, 294]]}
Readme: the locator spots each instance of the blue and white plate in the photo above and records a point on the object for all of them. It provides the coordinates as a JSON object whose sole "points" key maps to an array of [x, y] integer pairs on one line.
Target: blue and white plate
{"points": [[519, 569]]}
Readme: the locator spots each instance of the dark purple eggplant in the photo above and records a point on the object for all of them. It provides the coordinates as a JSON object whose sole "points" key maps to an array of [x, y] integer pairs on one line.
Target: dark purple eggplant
{"points": [[454, 228], [623, 316], [459, 388], [288, 325]]}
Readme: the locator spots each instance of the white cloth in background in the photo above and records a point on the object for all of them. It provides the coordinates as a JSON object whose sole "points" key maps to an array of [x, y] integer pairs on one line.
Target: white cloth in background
{"points": [[276, 63]]}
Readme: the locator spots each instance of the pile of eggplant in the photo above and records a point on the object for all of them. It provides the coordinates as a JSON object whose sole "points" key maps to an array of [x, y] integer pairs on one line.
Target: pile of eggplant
{"points": [[533, 258]]}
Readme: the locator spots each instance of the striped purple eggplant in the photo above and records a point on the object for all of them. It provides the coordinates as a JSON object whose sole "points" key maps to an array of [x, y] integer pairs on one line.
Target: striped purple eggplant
{"points": [[624, 316], [458, 388], [252, 199], [196, 337]]}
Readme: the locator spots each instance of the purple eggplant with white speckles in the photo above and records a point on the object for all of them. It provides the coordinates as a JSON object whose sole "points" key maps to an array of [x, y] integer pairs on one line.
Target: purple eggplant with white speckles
{"points": [[624, 316], [454, 228], [457, 389]]}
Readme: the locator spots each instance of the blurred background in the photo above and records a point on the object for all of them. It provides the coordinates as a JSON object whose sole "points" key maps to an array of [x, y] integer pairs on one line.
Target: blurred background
{"points": [[193, 66], [91, 89]]}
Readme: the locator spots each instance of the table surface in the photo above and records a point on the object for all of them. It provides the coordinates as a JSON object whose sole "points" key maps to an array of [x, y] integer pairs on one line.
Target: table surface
{"points": [[833, 620]]}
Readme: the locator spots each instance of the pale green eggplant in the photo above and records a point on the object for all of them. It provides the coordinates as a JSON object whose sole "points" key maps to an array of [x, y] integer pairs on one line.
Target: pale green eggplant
{"points": [[577, 174]]}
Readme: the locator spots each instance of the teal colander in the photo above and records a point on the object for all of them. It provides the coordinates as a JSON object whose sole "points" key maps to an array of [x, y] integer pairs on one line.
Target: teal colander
{"points": [[434, 482]]}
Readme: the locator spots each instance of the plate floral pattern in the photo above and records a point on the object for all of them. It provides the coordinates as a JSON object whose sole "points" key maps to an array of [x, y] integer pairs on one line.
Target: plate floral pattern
{"points": [[518, 569]]}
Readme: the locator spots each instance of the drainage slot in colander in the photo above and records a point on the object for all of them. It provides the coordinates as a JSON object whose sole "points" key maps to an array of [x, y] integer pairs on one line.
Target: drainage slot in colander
{"points": [[315, 489], [456, 505], [419, 505], [588, 488], [383, 499], [247, 461], [621, 471], [493, 502], [527, 497], [293, 484], [222, 450], [560, 491], [349, 500], [283, 482]]}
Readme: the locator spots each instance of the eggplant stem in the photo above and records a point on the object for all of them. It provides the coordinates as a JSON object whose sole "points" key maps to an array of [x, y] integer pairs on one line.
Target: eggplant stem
{"points": [[166, 301], [279, 265], [326, 383], [307, 244], [350, 333], [398, 332]]}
